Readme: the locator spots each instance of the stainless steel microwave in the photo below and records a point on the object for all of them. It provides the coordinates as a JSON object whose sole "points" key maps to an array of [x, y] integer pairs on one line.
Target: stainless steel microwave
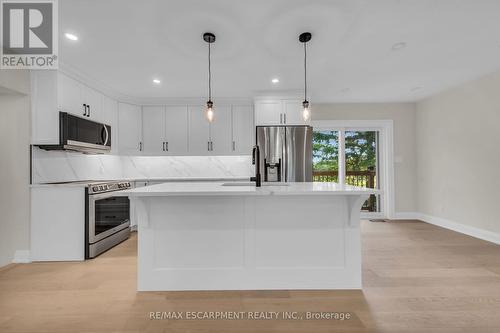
{"points": [[82, 135]]}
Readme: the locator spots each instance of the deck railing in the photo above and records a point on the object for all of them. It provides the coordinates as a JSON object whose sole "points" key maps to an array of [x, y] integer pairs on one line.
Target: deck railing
{"points": [[357, 178]]}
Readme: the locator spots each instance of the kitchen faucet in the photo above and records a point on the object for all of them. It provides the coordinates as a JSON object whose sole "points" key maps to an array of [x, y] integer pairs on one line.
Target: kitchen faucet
{"points": [[256, 161]]}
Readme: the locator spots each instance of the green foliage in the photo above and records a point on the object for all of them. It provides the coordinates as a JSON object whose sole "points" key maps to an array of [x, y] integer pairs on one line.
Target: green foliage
{"points": [[360, 149]]}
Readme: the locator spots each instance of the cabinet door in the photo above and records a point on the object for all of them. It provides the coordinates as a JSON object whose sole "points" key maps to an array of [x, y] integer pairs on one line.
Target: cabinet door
{"points": [[70, 95], [268, 112], [129, 129], [243, 130], [44, 108], [199, 136], [293, 110], [93, 99], [109, 116], [153, 129], [220, 132], [176, 130]]}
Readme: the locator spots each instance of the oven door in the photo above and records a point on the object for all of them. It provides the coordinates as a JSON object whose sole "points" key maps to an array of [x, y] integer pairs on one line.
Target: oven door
{"points": [[108, 214]]}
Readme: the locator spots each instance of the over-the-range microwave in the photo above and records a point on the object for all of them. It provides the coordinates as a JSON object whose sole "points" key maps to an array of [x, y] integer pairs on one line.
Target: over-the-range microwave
{"points": [[82, 135]]}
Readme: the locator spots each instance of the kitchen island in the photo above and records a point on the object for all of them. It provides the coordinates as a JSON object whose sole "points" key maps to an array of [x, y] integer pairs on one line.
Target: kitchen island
{"points": [[231, 236]]}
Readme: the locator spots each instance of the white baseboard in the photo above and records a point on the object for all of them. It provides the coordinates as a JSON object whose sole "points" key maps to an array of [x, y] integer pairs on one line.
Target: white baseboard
{"points": [[451, 225], [22, 257], [486, 235], [406, 216]]}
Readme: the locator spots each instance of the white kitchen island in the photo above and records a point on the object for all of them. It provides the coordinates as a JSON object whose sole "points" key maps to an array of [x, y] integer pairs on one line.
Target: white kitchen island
{"points": [[210, 236]]}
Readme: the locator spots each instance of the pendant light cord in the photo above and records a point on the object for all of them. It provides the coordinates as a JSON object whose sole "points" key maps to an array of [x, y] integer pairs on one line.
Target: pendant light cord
{"points": [[305, 72], [209, 75]]}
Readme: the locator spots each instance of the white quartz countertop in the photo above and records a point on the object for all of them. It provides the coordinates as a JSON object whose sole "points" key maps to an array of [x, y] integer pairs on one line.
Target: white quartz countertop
{"points": [[83, 183], [218, 189]]}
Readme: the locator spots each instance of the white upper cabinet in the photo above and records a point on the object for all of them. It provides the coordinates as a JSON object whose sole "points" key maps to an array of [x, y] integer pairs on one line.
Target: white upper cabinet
{"points": [[243, 130], [199, 131], [110, 117], [279, 112], [78, 99], [129, 129], [44, 107], [70, 96], [292, 110], [268, 112], [176, 130], [93, 100], [52, 92], [220, 131], [153, 129]]}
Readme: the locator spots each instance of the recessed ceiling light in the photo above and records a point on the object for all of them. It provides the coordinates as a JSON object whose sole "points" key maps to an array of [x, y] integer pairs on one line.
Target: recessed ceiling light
{"points": [[399, 46], [71, 36], [156, 81], [275, 80]]}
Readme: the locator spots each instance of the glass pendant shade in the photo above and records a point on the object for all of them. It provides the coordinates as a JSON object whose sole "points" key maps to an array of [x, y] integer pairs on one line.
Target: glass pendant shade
{"points": [[306, 113], [209, 112]]}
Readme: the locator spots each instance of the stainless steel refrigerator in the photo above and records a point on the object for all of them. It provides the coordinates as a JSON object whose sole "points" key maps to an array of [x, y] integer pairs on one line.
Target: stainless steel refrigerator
{"points": [[285, 153]]}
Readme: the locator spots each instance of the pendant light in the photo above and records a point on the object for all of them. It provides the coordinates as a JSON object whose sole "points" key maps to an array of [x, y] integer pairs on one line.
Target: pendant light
{"points": [[306, 112], [209, 112]]}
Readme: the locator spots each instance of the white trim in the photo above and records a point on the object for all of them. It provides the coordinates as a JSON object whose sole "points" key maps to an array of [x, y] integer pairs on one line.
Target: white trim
{"points": [[22, 257], [486, 235], [385, 127], [406, 216]]}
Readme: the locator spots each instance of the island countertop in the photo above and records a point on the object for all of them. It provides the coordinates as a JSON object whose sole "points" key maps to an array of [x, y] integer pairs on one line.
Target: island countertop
{"points": [[243, 189]]}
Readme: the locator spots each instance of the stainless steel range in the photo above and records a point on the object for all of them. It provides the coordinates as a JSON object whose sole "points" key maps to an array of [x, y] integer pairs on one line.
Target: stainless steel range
{"points": [[107, 217]]}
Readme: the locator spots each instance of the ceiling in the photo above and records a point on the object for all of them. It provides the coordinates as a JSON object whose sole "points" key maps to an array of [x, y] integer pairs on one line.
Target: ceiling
{"points": [[124, 44]]}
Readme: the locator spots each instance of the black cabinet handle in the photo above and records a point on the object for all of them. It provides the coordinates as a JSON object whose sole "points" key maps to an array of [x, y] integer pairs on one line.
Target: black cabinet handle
{"points": [[166, 145], [84, 110], [88, 113], [208, 145], [163, 146]]}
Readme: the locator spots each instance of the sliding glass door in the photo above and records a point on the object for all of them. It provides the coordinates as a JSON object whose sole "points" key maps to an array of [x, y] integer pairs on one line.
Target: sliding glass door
{"points": [[349, 156]]}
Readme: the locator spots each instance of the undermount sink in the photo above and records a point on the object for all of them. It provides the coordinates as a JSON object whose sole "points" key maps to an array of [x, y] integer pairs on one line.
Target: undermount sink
{"points": [[253, 184]]}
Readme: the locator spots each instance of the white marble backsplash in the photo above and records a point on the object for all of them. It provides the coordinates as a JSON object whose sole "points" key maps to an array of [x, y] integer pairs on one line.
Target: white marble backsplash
{"points": [[59, 166]]}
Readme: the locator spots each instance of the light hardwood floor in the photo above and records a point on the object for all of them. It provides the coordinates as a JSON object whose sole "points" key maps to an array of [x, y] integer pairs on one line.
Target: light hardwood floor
{"points": [[417, 278]]}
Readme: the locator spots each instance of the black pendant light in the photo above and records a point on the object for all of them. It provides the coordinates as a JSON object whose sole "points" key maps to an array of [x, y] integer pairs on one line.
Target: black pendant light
{"points": [[209, 112], [306, 113]]}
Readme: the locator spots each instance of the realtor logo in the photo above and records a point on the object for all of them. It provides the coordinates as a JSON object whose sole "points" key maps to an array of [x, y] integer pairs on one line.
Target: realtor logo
{"points": [[29, 34]]}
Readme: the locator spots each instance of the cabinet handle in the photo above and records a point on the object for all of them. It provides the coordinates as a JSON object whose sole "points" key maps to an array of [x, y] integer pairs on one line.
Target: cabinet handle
{"points": [[284, 118], [281, 118], [88, 113], [166, 145], [234, 146], [84, 110], [211, 146], [208, 145], [140, 146], [163, 146]]}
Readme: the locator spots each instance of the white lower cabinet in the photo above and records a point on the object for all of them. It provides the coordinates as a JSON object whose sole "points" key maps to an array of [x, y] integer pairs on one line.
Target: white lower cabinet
{"points": [[129, 129]]}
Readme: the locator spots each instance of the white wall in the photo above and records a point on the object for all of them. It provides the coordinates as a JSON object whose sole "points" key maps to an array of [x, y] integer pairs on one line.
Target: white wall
{"points": [[14, 165], [458, 150], [403, 116]]}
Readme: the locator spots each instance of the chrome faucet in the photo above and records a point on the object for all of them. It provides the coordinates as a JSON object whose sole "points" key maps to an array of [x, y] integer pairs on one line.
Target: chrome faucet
{"points": [[256, 162]]}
